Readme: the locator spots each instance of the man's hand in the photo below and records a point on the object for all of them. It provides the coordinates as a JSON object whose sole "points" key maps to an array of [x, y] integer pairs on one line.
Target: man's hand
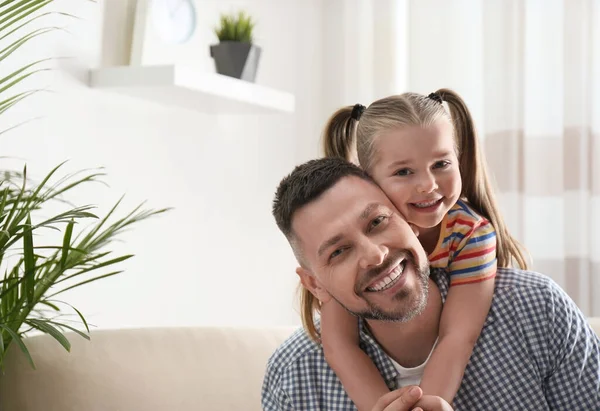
{"points": [[410, 398]]}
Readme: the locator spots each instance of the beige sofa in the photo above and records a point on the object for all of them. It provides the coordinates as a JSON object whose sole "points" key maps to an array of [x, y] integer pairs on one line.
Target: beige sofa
{"points": [[160, 369], [145, 370]]}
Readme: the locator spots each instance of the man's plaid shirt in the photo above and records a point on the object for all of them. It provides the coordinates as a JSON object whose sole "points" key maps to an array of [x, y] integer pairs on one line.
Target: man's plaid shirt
{"points": [[535, 352]]}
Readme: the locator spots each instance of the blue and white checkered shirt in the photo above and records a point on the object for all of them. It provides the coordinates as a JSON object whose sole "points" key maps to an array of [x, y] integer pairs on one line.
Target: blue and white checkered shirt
{"points": [[535, 352]]}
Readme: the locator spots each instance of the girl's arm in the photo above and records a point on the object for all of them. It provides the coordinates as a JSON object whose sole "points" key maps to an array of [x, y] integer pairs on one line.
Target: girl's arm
{"points": [[354, 368], [463, 316], [472, 268]]}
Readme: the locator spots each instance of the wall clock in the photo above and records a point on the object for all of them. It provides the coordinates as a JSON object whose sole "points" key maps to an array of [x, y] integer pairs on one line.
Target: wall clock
{"points": [[173, 20]]}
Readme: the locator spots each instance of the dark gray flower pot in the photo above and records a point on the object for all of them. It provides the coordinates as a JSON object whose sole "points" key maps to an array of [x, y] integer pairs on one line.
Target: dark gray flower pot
{"points": [[235, 59]]}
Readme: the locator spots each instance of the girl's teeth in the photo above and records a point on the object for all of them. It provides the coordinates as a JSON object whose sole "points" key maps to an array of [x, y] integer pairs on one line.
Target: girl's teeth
{"points": [[429, 204]]}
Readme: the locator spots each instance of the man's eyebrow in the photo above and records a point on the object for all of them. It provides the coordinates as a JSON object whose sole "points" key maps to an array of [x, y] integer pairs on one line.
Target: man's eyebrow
{"points": [[332, 241], [368, 210], [337, 238]]}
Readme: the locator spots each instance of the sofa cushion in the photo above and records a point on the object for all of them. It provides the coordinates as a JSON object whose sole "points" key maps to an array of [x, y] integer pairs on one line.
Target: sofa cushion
{"points": [[143, 369]]}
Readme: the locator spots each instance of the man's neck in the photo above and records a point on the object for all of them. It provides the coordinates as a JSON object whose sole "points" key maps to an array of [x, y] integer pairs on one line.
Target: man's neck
{"points": [[410, 343]]}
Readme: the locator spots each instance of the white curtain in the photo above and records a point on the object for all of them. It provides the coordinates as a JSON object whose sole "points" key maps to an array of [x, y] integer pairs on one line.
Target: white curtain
{"points": [[530, 72]]}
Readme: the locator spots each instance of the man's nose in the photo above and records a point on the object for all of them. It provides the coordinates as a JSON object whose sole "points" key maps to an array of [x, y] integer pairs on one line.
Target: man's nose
{"points": [[373, 254], [427, 183]]}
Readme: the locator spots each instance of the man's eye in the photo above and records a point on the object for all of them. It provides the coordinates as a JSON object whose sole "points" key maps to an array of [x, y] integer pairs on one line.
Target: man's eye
{"points": [[336, 253], [441, 164], [377, 221], [403, 172]]}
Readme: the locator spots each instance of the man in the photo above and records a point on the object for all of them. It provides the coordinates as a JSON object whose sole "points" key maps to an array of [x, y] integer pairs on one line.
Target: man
{"points": [[536, 350]]}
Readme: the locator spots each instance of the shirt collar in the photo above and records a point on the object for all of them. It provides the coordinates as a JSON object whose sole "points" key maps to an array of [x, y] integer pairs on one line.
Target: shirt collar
{"points": [[378, 356], [373, 349]]}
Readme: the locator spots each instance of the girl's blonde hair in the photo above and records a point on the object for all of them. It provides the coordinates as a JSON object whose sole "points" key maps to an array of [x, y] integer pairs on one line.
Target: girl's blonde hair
{"points": [[345, 133]]}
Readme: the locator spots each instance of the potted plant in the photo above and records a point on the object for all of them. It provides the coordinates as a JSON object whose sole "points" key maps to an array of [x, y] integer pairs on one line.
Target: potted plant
{"points": [[236, 55], [37, 269]]}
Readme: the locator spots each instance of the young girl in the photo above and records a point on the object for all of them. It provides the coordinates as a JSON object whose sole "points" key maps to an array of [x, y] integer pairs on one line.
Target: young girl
{"points": [[426, 159]]}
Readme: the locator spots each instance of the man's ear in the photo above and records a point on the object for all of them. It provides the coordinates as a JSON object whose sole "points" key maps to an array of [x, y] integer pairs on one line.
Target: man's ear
{"points": [[312, 284]]}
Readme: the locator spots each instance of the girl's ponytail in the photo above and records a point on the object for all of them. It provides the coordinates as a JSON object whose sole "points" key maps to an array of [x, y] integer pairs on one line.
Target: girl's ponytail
{"points": [[475, 181], [466, 139], [309, 305], [339, 135]]}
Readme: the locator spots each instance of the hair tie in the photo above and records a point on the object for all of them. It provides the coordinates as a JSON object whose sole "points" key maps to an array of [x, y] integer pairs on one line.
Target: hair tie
{"points": [[357, 111], [436, 97]]}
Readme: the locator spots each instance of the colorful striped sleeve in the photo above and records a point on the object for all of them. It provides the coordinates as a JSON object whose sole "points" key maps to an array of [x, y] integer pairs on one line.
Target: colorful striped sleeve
{"points": [[473, 251]]}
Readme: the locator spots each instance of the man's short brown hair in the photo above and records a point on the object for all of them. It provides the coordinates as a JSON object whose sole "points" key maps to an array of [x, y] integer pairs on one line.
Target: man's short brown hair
{"points": [[305, 184]]}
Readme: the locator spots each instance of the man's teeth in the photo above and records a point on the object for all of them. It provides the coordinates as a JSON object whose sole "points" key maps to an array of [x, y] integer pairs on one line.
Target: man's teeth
{"points": [[427, 204], [389, 280]]}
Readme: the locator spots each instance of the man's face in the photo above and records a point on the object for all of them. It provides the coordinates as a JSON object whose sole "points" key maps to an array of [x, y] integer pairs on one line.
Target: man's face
{"points": [[358, 250]]}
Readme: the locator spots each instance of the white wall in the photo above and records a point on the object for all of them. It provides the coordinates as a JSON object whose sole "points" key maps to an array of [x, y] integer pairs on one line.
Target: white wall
{"points": [[365, 43], [438, 36], [218, 257]]}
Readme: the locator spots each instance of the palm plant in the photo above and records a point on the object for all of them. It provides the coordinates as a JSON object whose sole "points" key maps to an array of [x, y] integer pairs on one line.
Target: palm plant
{"points": [[15, 16], [36, 273]]}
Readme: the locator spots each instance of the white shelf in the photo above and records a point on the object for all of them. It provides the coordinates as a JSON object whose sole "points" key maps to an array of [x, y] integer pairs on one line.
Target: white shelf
{"points": [[189, 88]]}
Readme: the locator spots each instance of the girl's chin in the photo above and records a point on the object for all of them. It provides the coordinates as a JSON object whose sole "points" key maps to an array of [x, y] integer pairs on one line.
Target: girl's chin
{"points": [[425, 223]]}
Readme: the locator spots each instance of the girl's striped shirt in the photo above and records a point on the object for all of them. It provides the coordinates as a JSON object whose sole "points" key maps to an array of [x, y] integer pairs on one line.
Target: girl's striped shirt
{"points": [[466, 247]]}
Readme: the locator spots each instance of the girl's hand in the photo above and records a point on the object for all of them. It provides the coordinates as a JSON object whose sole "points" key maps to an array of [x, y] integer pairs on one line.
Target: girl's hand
{"points": [[403, 399]]}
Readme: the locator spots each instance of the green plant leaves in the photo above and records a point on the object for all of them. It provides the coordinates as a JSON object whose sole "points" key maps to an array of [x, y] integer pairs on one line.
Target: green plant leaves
{"points": [[29, 260], [66, 244], [18, 340], [238, 27], [37, 273], [33, 270], [68, 327], [47, 328], [15, 15]]}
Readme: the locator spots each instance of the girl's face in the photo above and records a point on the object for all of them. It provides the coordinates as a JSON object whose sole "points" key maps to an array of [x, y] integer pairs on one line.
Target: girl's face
{"points": [[418, 169]]}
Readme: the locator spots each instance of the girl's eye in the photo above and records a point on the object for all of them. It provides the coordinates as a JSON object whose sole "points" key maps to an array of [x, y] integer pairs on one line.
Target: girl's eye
{"points": [[403, 172], [441, 164]]}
